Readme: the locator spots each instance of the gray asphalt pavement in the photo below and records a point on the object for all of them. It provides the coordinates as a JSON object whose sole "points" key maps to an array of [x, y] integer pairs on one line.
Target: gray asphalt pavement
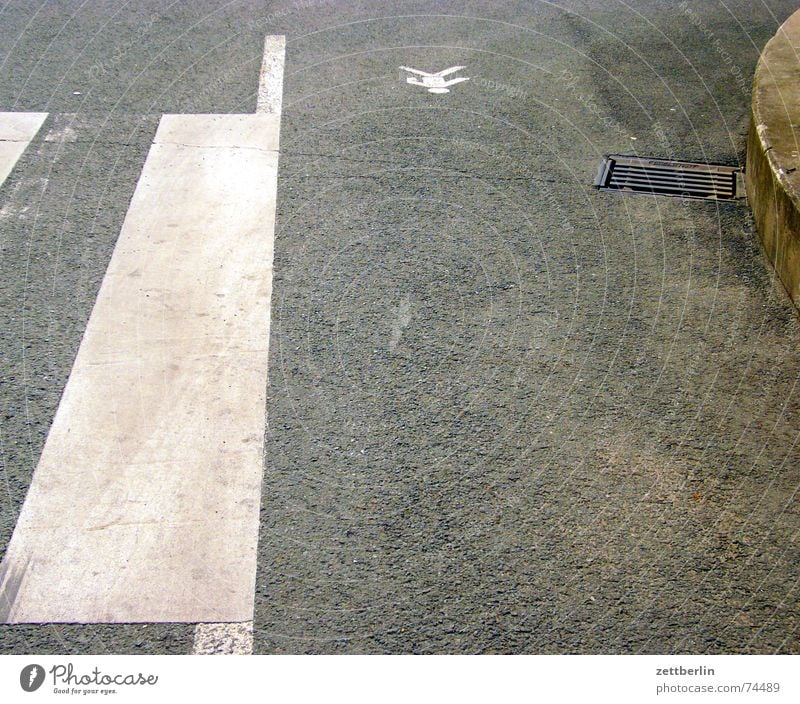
{"points": [[507, 413]]}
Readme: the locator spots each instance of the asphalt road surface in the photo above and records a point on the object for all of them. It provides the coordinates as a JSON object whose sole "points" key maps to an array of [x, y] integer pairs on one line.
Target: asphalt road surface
{"points": [[507, 413]]}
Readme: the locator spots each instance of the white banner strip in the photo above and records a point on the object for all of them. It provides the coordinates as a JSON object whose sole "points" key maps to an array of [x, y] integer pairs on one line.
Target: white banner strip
{"points": [[369, 679]]}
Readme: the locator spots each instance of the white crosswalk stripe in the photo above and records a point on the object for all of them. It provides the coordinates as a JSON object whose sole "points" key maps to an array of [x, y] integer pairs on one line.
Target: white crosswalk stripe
{"points": [[144, 505], [17, 129]]}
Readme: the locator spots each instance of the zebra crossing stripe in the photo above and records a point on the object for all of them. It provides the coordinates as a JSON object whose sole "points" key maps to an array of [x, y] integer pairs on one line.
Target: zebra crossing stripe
{"points": [[144, 505], [17, 129]]}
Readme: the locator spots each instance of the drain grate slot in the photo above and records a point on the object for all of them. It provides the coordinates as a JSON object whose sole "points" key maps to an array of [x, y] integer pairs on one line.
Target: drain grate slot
{"points": [[664, 177]]}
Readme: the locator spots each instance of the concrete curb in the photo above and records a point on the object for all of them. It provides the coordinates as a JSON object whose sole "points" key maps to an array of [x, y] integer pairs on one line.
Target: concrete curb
{"points": [[773, 153]]}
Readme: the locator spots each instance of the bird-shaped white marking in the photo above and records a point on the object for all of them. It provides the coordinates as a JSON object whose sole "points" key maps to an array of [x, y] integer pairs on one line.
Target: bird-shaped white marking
{"points": [[434, 82]]}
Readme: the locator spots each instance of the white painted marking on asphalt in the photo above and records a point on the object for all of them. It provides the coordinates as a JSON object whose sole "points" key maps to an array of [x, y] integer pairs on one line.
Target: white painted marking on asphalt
{"points": [[61, 136], [17, 129], [270, 84], [223, 639], [237, 638], [144, 506], [401, 320], [434, 82]]}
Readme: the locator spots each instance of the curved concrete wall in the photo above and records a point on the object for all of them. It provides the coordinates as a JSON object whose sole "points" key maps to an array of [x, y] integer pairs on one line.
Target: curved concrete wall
{"points": [[773, 153]]}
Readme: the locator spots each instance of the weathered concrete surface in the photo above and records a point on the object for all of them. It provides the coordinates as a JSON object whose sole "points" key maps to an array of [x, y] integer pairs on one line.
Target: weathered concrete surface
{"points": [[773, 154]]}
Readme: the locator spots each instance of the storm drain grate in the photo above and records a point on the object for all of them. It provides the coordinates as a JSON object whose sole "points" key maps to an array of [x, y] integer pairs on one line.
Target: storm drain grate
{"points": [[663, 177]]}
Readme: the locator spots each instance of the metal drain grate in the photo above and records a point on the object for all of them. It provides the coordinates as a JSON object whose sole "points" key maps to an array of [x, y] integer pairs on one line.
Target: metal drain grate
{"points": [[663, 177]]}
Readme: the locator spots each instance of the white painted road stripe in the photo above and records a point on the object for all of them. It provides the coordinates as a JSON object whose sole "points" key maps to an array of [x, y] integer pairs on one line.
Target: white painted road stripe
{"points": [[144, 506], [237, 638], [223, 639], [270, 84], [17, 129]]}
